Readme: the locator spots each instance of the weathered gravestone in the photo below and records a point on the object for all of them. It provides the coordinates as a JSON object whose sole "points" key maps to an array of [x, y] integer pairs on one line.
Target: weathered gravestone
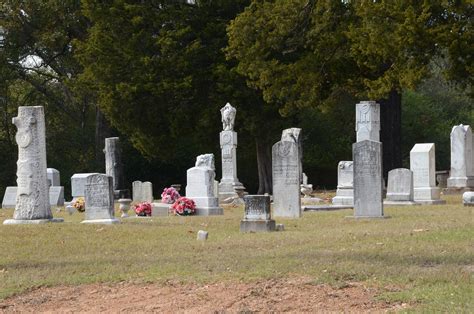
{"points": [[99, 197], [368, 201], [368, 121], [257, 216], [228, 141], [422, 163], [53, 177], [32, 197], [114, 166], [78, 184], [200, 186], [142, 191], [462, 163], [400, 187], [468, 198], [9, 198], [287, 175], [345, 183]]}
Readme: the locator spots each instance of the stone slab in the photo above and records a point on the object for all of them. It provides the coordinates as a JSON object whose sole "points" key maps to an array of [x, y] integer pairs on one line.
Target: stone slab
{"points": [[400, 203], [257, 225], [9, 198], [209, 211], [78, 183], [326, 207], [101, 221], [56, 195], [431, 202], [32, 221], [160, 209]]}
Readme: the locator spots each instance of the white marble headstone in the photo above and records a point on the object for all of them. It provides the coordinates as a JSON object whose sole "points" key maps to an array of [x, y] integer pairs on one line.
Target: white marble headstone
{"points": [[345, 178], [462, 162], [142, 191], [422, 164], [368, 121]]}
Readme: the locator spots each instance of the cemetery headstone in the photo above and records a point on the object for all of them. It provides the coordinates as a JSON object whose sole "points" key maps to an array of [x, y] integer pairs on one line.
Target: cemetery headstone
{"points": [[286, 163], [422, 164], [368, 121], [99, 197], [462, 162], [9, 198], [78, 184], [32, 197], [142, 191], [200, 186], [257, 216], [345, 178], [400, 187], [53, 176], [468, 198], [114, 166], [228, 141], [368, 202]]}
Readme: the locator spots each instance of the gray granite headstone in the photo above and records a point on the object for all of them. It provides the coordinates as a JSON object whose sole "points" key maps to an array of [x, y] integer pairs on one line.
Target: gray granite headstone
{"points": [[142, 191], [32, 197], [99, 197], [257, 216], [114, 166], [56, 195], [400, 187], [367, 157], [287, 175]]}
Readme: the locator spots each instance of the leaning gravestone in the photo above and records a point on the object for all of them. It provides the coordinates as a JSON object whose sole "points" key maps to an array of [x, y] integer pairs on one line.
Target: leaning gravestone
{"points": [[400, 187], [257, 216], [200, 186], [32, 197], [286, 163], [142, 191], [367, 157], [99, 197], [228, 141], [114, 166], [368, 121], [345, 182], [462, 162], [422, 163]]}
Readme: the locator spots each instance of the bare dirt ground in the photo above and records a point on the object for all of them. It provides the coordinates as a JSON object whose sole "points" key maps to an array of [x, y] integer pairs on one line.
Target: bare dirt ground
{"points": [[298, 295]]}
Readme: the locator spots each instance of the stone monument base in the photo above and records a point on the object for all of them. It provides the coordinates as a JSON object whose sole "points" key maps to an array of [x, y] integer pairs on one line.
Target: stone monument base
{"points": [[31, 221], [226, 191], [400, 203], [455, 190], [343, 200], [209, 211], [160, 209], [426, 193], [110, 221], [257, 225], [367, 217], [310, 200], [431, 202]]}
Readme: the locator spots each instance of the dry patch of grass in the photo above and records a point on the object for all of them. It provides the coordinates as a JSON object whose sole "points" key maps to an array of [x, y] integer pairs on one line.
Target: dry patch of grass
{"points": [[422, 255]]}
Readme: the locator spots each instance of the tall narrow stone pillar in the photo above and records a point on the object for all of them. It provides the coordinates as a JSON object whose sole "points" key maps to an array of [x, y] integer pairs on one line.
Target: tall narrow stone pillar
{"points": [[368, 121], [461, 176], [228, 141], [114, 166], [32, 198]]}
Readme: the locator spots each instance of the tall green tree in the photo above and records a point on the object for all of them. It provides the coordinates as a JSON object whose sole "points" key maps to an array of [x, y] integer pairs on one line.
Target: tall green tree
{"points": [[161, 77], [301, 52]]}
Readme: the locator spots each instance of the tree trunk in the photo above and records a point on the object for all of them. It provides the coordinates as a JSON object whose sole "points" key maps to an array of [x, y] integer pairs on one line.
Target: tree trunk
{"points": [[391, 131], [264, 164]]}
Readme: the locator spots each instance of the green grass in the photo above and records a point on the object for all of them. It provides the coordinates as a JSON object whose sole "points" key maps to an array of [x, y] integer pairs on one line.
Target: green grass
{"points": [[422, 255]]}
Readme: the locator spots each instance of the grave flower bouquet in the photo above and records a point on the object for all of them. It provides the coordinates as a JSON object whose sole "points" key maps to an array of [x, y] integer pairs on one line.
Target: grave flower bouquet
{"points": [[143, 209], [79, 204], [169, 195], [184, 207]]}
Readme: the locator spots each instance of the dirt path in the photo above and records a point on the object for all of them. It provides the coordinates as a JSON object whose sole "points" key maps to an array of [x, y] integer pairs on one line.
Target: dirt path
{"points": [[298, 295]]}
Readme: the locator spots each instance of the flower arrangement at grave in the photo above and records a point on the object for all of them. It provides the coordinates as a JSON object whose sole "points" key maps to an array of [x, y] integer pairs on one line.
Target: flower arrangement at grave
{"points": [[184, 206], [169, 195], [143, 209], [79, 204]]}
